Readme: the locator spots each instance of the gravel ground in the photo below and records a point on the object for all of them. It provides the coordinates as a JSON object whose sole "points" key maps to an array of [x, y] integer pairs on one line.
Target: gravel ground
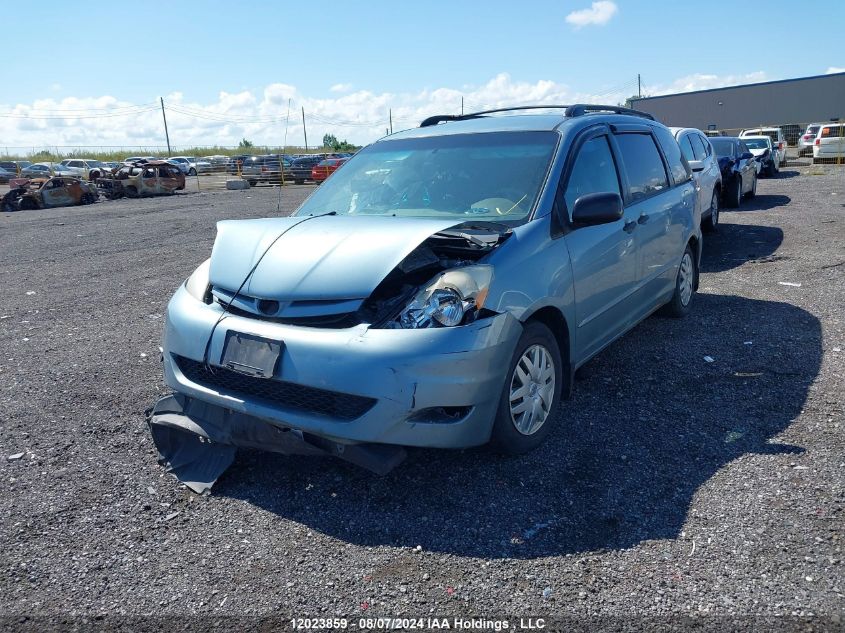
{"points": [[673, 486]]}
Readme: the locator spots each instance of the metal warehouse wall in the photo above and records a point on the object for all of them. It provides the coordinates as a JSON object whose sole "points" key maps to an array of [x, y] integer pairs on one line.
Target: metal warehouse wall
{"points": [[781, 103]]}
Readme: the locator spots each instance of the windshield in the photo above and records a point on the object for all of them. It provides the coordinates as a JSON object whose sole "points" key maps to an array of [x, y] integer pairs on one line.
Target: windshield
{"points": [[756, 143], [723, 148], [493, 176], [95, 163]]}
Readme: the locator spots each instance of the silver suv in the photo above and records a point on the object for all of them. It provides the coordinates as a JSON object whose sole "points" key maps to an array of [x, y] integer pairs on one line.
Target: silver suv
{"points": [[440, 290]]}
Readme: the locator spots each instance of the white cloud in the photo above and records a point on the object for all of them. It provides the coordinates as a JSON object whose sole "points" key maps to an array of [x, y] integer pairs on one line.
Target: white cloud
{"points": [[359, 116], [341, 88], [834, 69], [598, 14]]}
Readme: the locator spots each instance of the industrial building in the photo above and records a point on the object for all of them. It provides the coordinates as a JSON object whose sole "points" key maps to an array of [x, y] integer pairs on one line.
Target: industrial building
{"points": [[790, 104]]}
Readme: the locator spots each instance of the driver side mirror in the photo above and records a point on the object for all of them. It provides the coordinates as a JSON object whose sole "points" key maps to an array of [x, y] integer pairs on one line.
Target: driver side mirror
{"points": [[597, 208], [746, 156], [696, 165]]}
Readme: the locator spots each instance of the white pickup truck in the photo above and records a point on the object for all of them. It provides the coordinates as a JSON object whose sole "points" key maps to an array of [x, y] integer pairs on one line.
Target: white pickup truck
{"points": [[778, 140]]}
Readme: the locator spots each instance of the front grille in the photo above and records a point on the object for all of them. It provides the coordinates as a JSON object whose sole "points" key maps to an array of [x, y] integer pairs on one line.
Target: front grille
{"points": [[342, 406]]}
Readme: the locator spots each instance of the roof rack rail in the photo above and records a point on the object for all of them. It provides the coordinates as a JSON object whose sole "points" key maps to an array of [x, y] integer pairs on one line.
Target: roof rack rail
{"points": [[580, 109], [440, 118]]}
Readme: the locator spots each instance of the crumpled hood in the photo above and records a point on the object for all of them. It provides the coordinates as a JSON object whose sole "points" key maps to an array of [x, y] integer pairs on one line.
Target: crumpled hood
{"points": [[317, 257]]}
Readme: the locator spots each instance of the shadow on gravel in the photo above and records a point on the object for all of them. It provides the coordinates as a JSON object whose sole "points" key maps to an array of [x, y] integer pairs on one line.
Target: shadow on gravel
{"points": [[736, 244], [762, 202], [650, 423], [791, 174]]}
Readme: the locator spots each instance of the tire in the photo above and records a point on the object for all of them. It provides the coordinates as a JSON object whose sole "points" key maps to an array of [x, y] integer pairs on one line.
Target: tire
{"points": [[519, 433], [772, 169], [733, 195], [679, 306], [27, 204], [711, 222], [753, 191], [87, 198], [252, 183], [299, 181], [192, 172], [131, 191]]}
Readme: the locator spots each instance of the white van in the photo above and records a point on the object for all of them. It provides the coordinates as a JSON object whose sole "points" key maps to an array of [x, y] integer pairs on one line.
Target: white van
{"points": [[830, 143]]}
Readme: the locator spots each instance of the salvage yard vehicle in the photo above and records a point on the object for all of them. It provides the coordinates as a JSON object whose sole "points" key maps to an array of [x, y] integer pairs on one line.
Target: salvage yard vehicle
{"points": [[84, 167], [805, 143], [829, 144], [46, 170], [439, 290], [764, 153], [701, 158], [142, 179], [326, 168], [300, 168], [778, 140], [738, 167], [269, 168], [42, 193], [190, 165]]}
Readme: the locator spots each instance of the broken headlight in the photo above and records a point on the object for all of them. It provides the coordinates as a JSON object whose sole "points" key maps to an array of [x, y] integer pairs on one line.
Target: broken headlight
{"points": [[448, 298], [197, 283]]}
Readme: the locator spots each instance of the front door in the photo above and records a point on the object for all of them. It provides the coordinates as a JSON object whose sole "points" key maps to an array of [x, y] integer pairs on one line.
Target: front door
{"points": [[603, 257]]}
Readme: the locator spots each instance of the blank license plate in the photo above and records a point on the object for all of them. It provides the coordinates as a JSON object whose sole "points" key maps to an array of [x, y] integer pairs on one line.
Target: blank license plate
{"points": [[251, 355]]}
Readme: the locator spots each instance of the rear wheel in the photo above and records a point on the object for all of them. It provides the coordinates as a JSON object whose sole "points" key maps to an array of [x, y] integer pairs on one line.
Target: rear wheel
{"points": [[131, 191], [87, 198], [711, 223], [681, 300], [192, 172], [531, 394]]}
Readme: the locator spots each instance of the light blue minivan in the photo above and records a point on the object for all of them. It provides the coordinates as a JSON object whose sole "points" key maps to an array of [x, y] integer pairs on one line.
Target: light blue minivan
{"points": [[439, 290]]}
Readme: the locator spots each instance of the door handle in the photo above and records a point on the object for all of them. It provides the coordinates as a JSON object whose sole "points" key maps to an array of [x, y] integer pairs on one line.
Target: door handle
{"points": [[629, 226], [642, 219]]}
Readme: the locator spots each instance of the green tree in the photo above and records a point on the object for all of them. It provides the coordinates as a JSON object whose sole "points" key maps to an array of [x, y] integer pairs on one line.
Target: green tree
{"points": [[245, 144], [330, 142]]}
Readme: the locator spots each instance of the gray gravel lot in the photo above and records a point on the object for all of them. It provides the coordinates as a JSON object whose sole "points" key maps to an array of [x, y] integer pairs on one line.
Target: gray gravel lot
{"points": [[671, 486]]}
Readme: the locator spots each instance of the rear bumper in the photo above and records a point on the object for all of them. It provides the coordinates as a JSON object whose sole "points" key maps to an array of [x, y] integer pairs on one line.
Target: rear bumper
{"points": [[410, 374]]}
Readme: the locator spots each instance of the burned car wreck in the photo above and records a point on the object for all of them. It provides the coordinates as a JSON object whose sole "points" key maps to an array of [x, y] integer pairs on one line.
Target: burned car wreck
{"points": [[439, 291], [42, 193], [148, 178]]}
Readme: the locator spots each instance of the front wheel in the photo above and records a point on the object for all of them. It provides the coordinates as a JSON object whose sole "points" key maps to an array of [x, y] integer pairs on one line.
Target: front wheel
{"points": [[681, 300], [711, 223], [192, 172], [531, 394]]}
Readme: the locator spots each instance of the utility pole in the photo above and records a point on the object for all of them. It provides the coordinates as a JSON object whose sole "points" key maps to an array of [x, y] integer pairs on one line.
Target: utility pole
{"points": [[462, 106], [639, 86], [304, 133], [166, 134], [390, 114]]}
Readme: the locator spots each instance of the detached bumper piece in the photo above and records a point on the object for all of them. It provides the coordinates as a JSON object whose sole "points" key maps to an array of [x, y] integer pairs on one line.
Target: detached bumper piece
{"points": [[197, 441]]}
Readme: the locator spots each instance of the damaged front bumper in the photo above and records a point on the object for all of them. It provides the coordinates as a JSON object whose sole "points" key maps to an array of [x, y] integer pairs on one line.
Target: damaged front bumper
{"points": [[435, 388]]}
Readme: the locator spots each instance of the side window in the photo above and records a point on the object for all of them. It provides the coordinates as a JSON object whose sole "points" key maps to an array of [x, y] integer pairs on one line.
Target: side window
{"points": [[743, 148], [698, 147], [646, 174], [707, 146], [594, 171], [686, 148], [677, 165]]}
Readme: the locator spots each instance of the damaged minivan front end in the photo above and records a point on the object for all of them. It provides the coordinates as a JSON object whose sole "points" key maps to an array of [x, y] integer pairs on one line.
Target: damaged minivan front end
{"points": [[365, 323], [416, 361]]}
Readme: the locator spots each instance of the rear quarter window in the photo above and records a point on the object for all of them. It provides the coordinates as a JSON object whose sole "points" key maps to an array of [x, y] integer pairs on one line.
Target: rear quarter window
{"points": [[831, 131], [646, 173]]}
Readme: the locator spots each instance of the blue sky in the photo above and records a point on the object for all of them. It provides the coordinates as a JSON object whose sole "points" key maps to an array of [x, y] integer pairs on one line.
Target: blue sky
{"points": [[237, 61]]}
